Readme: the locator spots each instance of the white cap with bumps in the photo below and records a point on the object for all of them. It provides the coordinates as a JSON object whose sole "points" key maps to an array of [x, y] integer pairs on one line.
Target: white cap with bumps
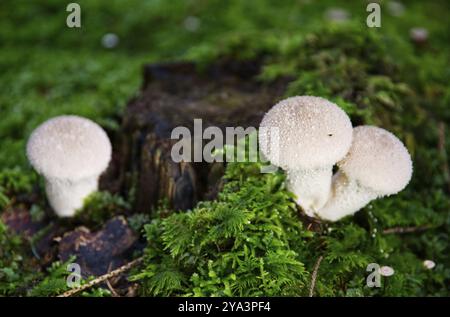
{"points": [[71, 152], [377, 165], [312, 135]]}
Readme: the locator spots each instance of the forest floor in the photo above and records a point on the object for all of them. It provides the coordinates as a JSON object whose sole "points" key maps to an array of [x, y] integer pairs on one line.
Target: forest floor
{"points": [[377, 75]]}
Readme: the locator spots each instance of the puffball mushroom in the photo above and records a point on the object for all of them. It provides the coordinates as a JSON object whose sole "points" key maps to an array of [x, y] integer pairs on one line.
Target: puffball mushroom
{"points": [[71, 152], [377, 165], [313, 134]]}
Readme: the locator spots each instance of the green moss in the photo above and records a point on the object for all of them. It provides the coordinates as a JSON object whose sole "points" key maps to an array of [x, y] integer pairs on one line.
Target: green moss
{"points": [[14, 181], [99, 207], [16, 268], [243, 244], [251, 242], [54, 283]]}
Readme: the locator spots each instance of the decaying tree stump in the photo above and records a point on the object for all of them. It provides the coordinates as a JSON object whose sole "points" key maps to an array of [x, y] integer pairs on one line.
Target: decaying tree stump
{"points": [[224, 95]]}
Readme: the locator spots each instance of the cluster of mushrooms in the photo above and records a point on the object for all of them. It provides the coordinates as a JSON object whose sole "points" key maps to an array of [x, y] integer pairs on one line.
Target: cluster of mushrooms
{"points": [[307, 136]]}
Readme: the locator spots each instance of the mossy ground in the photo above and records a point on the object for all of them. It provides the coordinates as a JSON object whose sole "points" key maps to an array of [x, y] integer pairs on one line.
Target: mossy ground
{"points": [[379, 76]]}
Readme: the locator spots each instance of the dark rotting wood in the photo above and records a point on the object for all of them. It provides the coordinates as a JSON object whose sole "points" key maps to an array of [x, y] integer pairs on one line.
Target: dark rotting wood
{"points": [[224, 95]]}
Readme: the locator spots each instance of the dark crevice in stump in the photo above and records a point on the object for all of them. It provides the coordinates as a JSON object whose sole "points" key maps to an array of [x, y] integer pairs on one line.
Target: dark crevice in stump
{"points": [[224, 95]]}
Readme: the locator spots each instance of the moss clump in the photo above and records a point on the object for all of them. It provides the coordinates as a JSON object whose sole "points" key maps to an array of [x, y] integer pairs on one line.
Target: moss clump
{"points": [[99, 207], [14, 181], [251, 242], [16, 270], [54, 282], [243, 244]]}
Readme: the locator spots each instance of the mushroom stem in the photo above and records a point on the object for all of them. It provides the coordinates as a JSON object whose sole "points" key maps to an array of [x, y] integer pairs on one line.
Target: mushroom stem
{"points": [[66, 196], [311, 186], [347, 197]]}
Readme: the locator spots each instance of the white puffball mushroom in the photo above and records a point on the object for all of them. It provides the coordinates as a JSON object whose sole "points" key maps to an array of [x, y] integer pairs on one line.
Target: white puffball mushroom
{"points": [[71, 152], [306, 136], [377, 165]]}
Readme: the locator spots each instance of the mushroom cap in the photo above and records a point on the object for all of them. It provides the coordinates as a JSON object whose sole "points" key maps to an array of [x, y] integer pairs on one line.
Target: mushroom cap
{"points": [[378, 160], [69, 147], [313, 132]]}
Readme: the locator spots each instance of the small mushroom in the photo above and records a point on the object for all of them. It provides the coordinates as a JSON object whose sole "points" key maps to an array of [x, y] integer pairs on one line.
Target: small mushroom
{"points": [[377, 165], [71, 153], [429, 264], [419, 35], [312, 135], [386, 271]]}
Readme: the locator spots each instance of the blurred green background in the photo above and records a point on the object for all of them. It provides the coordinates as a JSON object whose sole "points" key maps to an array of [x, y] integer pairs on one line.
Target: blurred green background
{"points": [[47, 69]]}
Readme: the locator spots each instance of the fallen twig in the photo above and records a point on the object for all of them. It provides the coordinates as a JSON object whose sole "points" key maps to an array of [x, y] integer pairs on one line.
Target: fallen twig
{"points": [[405, 229], [443, 152], [102, 278], [108, 283], [314, 276], [113, 291]]}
